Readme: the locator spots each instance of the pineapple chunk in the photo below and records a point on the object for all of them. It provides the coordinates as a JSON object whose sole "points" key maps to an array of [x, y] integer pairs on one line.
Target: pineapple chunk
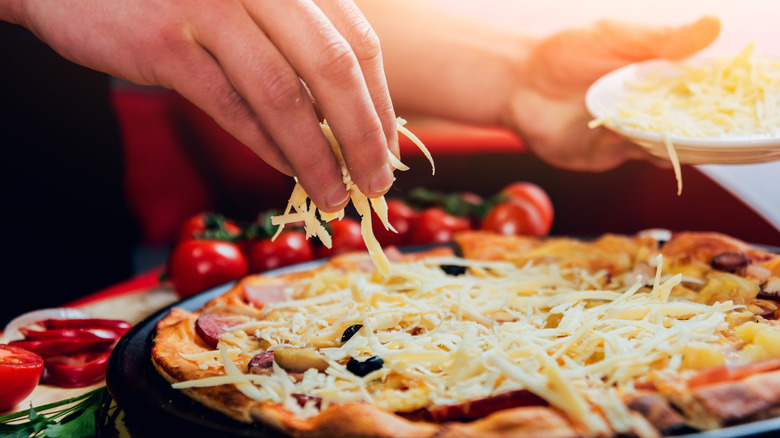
{"points": [[722, 287], [763, 342], [754, 353], [769, 340], [699, 356], [735, 319], [747, 331]]}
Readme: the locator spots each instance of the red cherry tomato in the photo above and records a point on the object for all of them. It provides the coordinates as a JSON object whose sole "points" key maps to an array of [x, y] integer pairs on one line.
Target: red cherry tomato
{"points": [[289, 248], [197, 265], [207, 226], [20, 371], [345, 237], [536, 196], [434, 225], [401, 217], [515, 216]]}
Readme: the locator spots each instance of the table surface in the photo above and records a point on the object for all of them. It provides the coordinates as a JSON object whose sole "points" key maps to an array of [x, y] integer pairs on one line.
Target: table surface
{"points": [[132, 301]]}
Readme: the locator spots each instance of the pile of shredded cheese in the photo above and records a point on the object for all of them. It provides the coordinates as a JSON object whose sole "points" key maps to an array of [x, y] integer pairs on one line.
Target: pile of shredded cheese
{"points": [[448, 339], [731, 96], [306, 211], [737, 96]]}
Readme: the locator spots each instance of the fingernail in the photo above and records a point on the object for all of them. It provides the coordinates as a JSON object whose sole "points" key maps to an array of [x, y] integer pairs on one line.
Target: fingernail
{"points": [[380, 181], [336, 196]]}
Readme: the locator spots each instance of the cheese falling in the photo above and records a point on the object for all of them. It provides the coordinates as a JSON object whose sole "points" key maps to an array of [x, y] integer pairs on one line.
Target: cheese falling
{"points": [[450, 339], [306, 211]]}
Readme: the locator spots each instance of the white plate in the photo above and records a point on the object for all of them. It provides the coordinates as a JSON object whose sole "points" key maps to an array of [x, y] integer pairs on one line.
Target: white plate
{"points": [[605, 93]]}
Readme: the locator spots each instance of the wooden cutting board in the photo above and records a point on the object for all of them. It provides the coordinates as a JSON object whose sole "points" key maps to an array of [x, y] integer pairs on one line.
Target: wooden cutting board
{"points": [[132, 307]]}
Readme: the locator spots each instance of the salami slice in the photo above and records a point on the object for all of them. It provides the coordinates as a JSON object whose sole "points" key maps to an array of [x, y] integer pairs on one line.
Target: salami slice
{"points": [[261, 363], [210, 326], [260, 295]]}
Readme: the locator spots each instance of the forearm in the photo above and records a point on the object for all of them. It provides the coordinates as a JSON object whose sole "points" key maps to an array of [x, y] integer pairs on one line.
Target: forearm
{"points": [[11, 11], [443, 65]]}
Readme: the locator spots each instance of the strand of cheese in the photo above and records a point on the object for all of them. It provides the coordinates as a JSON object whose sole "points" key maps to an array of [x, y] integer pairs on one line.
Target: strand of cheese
{"points": [[306, 211]]}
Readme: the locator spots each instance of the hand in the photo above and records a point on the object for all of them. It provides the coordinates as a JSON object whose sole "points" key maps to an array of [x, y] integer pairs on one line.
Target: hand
{"points": [[257, 67], [548, 108]]}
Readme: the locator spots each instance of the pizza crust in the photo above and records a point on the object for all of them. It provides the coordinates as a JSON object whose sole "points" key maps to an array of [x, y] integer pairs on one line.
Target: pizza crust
{"points": [[176, 336]]}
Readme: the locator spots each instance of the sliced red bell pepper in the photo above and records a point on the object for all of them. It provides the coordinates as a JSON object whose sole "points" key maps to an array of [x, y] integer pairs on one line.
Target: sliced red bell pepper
{"points": [[80, 333], [75, 370], [75, 351], [56, 347], [87, 323]]}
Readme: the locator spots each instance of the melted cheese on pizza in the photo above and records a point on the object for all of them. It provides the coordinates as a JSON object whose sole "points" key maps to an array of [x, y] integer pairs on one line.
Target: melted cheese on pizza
{"points": [[306, 211], [574, 337]]}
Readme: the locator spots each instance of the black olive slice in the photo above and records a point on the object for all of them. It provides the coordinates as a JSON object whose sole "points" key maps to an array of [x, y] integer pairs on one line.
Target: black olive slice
{"points": [[453, 270], [358, 368], [350, 332]]}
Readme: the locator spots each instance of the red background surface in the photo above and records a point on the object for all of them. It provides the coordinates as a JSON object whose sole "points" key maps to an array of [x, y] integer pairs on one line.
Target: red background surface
{"points": [[180, 163]]}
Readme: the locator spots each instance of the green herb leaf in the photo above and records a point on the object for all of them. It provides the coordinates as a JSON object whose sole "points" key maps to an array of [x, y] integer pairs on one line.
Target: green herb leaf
{"points": [[87, 417], [456, 204], [32, 427], [215, 229]]}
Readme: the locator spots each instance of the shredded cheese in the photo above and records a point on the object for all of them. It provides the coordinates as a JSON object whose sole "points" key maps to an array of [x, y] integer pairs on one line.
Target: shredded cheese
{"points": [[731, 96], [306, 211], [736, 96], [450, 339]]}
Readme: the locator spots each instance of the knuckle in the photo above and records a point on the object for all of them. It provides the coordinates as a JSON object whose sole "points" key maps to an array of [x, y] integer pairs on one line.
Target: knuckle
{"points": [[337, 62], [233, 106], [364, 41], [369, 156], [384, 108], [280, 89]]}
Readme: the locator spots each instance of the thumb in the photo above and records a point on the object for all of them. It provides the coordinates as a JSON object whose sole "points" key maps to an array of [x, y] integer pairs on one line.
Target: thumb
{"points": [[644, 42]]}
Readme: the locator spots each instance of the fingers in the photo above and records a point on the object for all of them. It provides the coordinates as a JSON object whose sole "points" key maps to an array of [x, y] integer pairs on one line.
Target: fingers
{"points": [[636, 43], [685, 40], [273, 90], [340, 62], [207, 87], [351, 23]]}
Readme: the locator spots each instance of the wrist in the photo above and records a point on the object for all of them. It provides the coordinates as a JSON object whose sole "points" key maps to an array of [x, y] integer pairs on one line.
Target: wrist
{"points": [[512, 59]]}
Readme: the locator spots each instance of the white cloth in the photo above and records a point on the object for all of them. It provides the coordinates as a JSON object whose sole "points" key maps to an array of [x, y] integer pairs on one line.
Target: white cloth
{"points": [[757, 185]]}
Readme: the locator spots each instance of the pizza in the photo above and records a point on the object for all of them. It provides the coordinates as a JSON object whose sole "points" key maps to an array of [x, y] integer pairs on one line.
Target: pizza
{"points": [[498, 336]]}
